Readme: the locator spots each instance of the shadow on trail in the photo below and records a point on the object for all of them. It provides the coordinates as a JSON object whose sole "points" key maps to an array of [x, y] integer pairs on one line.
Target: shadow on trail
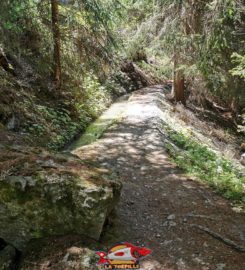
{"points": [[158, 203]]}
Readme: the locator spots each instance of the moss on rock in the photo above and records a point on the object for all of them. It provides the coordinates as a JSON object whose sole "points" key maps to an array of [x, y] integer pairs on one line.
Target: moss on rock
{"points": [[58, 197]]}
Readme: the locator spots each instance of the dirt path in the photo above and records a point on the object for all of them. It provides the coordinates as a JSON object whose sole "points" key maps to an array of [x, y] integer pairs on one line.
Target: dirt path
{"points": [[158, 203]]}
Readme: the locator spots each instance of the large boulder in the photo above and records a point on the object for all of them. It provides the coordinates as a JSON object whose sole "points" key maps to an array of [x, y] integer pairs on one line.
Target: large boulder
{"points": [[43, 195]]}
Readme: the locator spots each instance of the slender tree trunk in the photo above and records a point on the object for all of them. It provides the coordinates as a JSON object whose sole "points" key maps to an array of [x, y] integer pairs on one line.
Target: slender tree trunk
{"points": [[179, 86], [56, 38], [178, 76], [190, 25], [179, 83]]}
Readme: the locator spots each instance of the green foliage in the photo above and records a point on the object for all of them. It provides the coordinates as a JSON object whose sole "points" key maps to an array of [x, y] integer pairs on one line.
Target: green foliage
{"points": [[14, 13], [55, 126], [220, 38], [94, 132], [87, 43], [87, 36], [137, 10], [200, 35], [23, 31], [95, 96], [158, 71], [119, 83], [196, 159], [239, 70]]}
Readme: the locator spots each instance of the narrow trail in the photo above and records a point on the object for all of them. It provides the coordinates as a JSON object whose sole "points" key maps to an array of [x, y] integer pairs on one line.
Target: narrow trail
{"points": [[159, 204]]}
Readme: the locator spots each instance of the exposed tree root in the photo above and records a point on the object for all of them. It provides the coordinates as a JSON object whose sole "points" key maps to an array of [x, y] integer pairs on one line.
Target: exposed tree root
{"points": [[201, 216], [219, 237]]}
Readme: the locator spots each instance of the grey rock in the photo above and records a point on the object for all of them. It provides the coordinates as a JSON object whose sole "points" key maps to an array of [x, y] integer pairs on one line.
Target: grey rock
{"points": [[165, 224], [171, 217], [169, 223], [172, 224], [50, 164], [21, 181], [220, 266], [144, 168], [79, 258], [167, 242], [54, 202]]}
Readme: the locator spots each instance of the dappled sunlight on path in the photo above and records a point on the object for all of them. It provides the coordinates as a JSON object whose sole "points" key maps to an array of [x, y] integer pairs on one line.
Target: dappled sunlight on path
{"points": [[158, 203]]}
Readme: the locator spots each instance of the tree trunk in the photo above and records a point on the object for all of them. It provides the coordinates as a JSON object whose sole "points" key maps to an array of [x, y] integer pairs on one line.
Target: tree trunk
{"points": [[178, 76], [178, 89], [136, 75], [190, 25], [56, 38], [179, 84]]}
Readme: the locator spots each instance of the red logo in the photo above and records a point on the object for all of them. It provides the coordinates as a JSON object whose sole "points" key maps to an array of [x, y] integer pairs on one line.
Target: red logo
{"points": [[122, 256]]}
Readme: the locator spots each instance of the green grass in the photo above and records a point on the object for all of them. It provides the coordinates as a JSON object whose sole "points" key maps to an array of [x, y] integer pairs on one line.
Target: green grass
{"points": [[196, 159], [94, 132]]}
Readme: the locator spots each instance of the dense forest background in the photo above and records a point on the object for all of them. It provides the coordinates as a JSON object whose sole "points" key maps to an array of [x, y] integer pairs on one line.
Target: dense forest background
{"points": [[67, 58]]}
